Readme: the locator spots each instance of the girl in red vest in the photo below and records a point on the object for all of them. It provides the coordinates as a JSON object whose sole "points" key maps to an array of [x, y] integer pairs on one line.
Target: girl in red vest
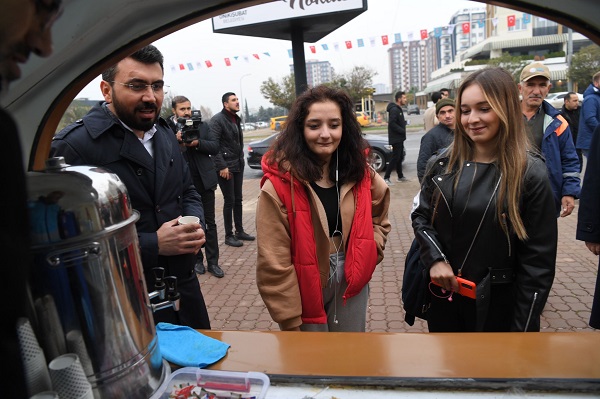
{"points": [[322, 218]]}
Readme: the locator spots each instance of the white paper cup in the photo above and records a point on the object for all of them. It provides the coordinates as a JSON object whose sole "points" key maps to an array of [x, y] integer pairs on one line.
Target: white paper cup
{"points": [[34, 362], [76, 344], [188, 220], [68, 378]]}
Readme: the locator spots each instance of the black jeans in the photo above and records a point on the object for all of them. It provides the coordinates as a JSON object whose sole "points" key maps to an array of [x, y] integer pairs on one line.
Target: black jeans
{"points": [[396, 161], [232, 202], [211, 246]]}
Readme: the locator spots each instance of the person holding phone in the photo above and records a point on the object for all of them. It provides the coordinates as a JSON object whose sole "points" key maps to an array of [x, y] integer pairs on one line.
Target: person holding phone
{"points": [[486, 214]]}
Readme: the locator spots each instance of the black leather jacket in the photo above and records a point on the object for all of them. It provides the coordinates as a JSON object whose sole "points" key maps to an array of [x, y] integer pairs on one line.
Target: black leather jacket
{"points": [[225, 128], [495, 256]]}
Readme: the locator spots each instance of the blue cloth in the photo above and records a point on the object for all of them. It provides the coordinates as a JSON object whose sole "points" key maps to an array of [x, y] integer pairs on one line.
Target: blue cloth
{"points": [[187, 347]]}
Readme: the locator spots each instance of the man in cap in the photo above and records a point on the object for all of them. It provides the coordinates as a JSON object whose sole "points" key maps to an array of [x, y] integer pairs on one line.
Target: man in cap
{"points": [[440, 136], [550, 134]]}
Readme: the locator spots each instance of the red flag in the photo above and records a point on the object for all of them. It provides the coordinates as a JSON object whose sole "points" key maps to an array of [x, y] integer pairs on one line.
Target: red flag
{"points": [[348, 44], [313, 49], [227, 62], [511, 20], [424, 34], [384, 40], [466, 27], [256, 56], [181, 67], [208, 63]]}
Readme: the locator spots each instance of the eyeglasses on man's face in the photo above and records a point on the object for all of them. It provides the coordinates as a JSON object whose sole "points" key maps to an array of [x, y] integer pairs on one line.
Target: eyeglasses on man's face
{"points": [[139, 87], [49, 11]]}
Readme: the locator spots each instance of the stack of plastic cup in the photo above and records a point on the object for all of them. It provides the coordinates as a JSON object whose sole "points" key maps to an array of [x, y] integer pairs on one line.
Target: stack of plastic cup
{"points": [[68, 378], [34, 361], [76, 344], [45, 395]]}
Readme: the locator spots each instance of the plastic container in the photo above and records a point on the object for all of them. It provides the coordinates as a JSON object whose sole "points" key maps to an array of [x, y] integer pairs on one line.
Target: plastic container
{"points": [[249, 384]]}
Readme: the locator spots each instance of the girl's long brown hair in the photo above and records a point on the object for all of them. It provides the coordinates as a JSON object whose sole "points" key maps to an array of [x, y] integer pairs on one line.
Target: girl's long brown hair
{"points": [[500, 91], [290, 147]]}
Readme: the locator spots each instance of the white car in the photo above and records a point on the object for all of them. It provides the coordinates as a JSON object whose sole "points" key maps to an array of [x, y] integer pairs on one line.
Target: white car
{"points": [[558, 99]]}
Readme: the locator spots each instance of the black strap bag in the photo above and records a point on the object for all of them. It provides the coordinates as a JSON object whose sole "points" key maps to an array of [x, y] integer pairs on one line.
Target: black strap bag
{"points": [[416, 297]]}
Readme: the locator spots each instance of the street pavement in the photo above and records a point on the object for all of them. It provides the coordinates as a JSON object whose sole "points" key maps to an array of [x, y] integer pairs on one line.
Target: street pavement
{"points": [[234, 302]]}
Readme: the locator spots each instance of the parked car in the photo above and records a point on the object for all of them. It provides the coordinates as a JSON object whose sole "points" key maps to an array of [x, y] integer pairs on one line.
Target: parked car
{"points": [[558, 99], [277, 123], [382, 150], [413, 109], [363, 118]]}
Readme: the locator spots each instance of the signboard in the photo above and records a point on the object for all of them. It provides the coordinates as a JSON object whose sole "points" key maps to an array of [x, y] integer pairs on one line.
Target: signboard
{"points": [[284, 10]]}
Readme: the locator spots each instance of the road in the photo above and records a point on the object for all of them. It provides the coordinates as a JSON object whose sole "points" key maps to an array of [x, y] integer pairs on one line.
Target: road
{"points": [[411, 145], [234, 303]]}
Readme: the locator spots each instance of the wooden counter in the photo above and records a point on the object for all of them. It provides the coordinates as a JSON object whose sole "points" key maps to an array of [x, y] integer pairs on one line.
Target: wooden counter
{"points": [[562, 361]]}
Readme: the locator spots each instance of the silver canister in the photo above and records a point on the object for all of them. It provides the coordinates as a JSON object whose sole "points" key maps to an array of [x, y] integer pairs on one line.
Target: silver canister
{"points": [[87, 289]]}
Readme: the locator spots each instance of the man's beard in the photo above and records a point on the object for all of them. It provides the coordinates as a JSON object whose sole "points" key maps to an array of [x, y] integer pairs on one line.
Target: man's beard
{"points": [[129, 117]]}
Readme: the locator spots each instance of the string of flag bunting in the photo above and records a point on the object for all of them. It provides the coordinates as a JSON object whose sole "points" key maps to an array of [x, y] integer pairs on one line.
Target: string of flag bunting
{"points": [[373, 41]]}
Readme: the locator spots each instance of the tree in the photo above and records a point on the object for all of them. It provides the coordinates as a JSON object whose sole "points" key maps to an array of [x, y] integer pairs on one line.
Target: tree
{"points": [[280, 94], [584, 64], [512, 64], [167, 110], [75, 111], [246, 111], [358, 82], [206, 113]]}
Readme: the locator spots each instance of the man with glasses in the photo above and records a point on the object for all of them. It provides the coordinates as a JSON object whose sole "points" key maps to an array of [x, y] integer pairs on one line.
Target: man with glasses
{"points": [[24, 29], [125, 135]]}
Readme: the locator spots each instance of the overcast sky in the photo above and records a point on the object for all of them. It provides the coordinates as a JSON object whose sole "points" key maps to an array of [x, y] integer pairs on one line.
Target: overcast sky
{"points": [[204, 86]]}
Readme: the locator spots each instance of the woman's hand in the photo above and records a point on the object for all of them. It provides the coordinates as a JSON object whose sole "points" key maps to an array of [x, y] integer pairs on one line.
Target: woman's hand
{"points": [[442, 274]]}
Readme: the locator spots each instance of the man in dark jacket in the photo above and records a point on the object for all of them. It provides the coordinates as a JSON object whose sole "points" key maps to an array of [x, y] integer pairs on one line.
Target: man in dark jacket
{"points": [[396, 136], [439, 137], [226, 129], [588, 218], [198, 147], [20, 36], [125, 135], [590, 114], [549, 132], [570, 111]]}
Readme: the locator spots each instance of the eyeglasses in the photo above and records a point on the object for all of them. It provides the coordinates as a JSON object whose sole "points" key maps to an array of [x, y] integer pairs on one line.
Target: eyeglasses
{"points": [[51, 10], [158, 87]]}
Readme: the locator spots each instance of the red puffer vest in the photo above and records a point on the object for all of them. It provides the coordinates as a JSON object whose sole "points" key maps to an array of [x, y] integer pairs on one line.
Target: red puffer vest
{"points": [[361, 250]]}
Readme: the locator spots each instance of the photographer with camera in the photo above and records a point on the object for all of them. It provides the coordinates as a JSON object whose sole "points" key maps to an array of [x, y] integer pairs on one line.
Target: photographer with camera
{"points": [[198, 144]]}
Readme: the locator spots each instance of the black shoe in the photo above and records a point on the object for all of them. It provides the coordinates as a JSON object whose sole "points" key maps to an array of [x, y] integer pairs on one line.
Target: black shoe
{"points": [[244, 236], [232, 241], [199, 267], [216, 271]]}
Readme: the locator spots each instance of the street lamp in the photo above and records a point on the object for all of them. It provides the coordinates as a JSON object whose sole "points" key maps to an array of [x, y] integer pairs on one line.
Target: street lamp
{"points": [[241, 97]]}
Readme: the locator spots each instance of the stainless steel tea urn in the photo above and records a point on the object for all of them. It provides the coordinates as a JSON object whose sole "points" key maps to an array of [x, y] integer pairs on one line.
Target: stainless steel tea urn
{"points": [[87, 288]]}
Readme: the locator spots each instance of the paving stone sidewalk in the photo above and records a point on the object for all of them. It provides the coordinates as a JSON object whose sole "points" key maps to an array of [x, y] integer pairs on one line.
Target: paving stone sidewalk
{"points": [[234, 303]]}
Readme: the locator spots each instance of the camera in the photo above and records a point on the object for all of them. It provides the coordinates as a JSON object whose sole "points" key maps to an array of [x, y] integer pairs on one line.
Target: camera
{"points": [[190, 130]]}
